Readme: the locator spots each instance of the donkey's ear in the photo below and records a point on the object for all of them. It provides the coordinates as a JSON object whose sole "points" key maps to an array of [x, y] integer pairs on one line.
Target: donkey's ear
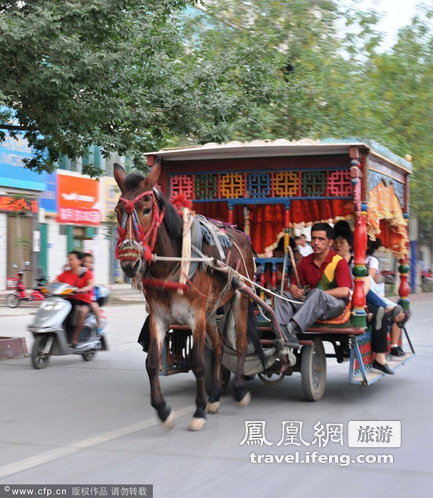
{"points": [[120, 177], [153, 176]]}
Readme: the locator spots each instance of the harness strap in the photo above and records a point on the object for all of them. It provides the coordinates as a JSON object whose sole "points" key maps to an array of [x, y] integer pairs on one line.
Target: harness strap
{"points": [[188, 219], [146, 240]]}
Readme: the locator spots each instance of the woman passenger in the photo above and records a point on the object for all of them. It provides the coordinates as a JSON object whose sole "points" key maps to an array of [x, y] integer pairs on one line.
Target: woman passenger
{"points": [[343, 245]]}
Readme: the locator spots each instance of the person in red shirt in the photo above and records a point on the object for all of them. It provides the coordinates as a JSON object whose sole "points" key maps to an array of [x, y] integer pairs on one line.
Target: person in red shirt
{"points": [[327, 275], [82, 278]]}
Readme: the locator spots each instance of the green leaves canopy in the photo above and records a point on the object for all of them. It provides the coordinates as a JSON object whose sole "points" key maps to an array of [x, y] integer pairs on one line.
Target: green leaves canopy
{"points": [[77, 73], [133, 76]]}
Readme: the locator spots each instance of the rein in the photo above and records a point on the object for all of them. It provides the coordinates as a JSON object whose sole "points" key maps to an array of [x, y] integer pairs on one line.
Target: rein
{"points": [[142, 238]]}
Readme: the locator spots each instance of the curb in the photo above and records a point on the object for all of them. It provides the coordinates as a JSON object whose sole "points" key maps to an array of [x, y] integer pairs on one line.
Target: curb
{"points": [[13, 347]]}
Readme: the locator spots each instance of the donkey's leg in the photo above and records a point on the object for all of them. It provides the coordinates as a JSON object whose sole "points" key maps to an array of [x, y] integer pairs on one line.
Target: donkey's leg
{"points": [[198, 367], [240, 310], [213, 404], [157, 335]]}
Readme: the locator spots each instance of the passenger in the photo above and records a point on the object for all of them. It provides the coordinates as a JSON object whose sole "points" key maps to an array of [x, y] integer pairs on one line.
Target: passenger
{"points": [[328, 275], [343, 244], [371, 262], [303, 246], [87, 262], [394, 311], [82, 278]]}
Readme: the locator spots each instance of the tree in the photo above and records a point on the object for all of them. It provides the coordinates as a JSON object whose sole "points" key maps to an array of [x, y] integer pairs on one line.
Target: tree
{"points": [[133, 76], [401, 83], [318, 86], [121, 75], [337, 80], [76, 73]]}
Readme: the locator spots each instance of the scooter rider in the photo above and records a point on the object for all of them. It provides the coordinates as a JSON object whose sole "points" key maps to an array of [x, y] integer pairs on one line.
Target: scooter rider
{"points": [[82, 278]]}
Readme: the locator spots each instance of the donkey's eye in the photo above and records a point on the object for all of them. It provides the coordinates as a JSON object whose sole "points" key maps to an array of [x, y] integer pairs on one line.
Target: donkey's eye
{"points": [[146, 211]]}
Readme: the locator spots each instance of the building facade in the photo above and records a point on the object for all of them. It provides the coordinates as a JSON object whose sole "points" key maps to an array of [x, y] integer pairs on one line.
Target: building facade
{"points": [[44, 216]]}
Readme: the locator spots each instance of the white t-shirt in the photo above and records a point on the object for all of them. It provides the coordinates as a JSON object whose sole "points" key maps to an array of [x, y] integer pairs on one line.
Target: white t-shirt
{"points": [[372, 262], [305, 251]]}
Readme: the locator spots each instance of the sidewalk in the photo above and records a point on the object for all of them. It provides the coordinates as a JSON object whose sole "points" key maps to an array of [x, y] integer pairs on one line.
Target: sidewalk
{"points": [[120, 294]]}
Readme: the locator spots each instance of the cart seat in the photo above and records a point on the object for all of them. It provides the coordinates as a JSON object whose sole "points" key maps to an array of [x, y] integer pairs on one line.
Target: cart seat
{"points": [[342, 319], [338, 325]]}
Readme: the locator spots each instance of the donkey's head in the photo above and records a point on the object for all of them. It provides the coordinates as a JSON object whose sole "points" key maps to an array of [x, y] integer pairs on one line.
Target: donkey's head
{"points": [[138, 218]]}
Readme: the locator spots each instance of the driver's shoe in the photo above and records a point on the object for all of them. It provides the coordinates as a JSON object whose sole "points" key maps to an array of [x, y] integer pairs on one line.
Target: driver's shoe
{"points": [[290, 331]]}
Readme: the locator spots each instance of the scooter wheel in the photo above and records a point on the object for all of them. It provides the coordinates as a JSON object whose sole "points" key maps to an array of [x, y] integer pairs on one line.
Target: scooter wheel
{"points": [[39, 359], [12, 300], [89, 355]]}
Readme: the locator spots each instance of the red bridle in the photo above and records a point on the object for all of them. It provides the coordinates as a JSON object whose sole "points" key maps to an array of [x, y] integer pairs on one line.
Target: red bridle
{"points": [[142, 238]]}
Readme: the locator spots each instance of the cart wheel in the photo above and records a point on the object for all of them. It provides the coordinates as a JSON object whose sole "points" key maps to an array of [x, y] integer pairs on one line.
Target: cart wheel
{"points": [[209, 374], [13, 300], [89, 355], [313, 370], [39, 359]]}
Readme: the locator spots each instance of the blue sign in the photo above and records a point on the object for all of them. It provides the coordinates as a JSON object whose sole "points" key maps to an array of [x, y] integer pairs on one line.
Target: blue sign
{"points": [[48, 200], [12, 170]]}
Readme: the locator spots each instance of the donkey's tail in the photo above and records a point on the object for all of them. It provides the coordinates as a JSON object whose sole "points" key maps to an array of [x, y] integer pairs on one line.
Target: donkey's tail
{"points": [[253, 332]]}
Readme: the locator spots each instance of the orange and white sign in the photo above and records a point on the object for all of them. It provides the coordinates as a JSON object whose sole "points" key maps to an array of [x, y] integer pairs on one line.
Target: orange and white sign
{"points": [[78, 200]]}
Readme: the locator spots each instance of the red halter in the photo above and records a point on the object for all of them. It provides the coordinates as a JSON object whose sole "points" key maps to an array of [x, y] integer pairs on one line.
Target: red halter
{"points": [[142, 238]]}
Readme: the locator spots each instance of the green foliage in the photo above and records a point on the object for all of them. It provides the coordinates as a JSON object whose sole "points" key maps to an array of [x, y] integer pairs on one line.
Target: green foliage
{"points": [[134, 76], [330, 77], [77, 73]]}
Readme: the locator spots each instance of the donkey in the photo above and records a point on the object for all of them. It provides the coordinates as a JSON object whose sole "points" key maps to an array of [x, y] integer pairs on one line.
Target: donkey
{"points": [[148, 224]]}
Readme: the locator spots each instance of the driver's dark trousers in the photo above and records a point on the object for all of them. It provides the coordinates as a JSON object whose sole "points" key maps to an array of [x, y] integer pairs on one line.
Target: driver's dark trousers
{"points": [[318, 305]]}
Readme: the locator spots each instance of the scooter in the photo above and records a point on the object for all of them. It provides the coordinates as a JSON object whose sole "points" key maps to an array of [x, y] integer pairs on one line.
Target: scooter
{"points": [[53, 325], [20, 294]]}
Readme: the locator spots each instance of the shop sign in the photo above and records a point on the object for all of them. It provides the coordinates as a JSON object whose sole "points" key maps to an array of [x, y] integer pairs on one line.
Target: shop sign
{"points": [[18, 204], [78, 200]]}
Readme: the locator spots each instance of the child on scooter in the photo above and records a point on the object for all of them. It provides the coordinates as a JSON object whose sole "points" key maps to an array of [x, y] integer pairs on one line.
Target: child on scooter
{"points": [[87, 262]]}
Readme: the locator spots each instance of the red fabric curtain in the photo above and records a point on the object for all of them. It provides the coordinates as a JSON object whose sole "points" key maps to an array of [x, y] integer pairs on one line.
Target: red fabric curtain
{"points": [[220, 211], [267, 222]]}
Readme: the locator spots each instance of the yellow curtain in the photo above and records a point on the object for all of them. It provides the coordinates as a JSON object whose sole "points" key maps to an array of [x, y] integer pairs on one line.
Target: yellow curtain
{"points": [[385, 218]]}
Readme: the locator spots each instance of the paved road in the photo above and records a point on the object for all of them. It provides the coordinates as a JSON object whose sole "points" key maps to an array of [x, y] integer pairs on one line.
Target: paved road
{"points": [[78, 422]]}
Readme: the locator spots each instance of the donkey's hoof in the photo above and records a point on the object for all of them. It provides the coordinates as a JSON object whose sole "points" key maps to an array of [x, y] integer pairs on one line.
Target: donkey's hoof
{"points": [[169, 423], [197, 424], [213, 407], [245, 400]]}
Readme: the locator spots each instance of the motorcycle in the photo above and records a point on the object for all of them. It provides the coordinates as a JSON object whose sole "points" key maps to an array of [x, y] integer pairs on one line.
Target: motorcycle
{"points": [[20, 294], [53, 326]]}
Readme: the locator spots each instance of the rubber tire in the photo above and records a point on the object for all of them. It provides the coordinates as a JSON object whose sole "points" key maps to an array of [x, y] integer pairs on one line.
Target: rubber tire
{"points": [[89, 355], [38, 362], [13, 300], [313, 370], [209, 373]]}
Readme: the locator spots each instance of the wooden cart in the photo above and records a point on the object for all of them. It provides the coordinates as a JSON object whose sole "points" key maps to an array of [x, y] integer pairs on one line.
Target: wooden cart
{"points": [[269, 187]]}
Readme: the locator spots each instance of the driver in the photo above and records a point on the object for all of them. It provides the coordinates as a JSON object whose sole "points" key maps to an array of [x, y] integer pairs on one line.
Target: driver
{"points": [[82, 278]]}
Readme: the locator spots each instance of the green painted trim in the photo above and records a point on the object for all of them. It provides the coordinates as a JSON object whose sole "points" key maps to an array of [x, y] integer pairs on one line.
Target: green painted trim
{"points": [[90, 232], [404, 303], [70, 238], [43, 255], [358, 320]]}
